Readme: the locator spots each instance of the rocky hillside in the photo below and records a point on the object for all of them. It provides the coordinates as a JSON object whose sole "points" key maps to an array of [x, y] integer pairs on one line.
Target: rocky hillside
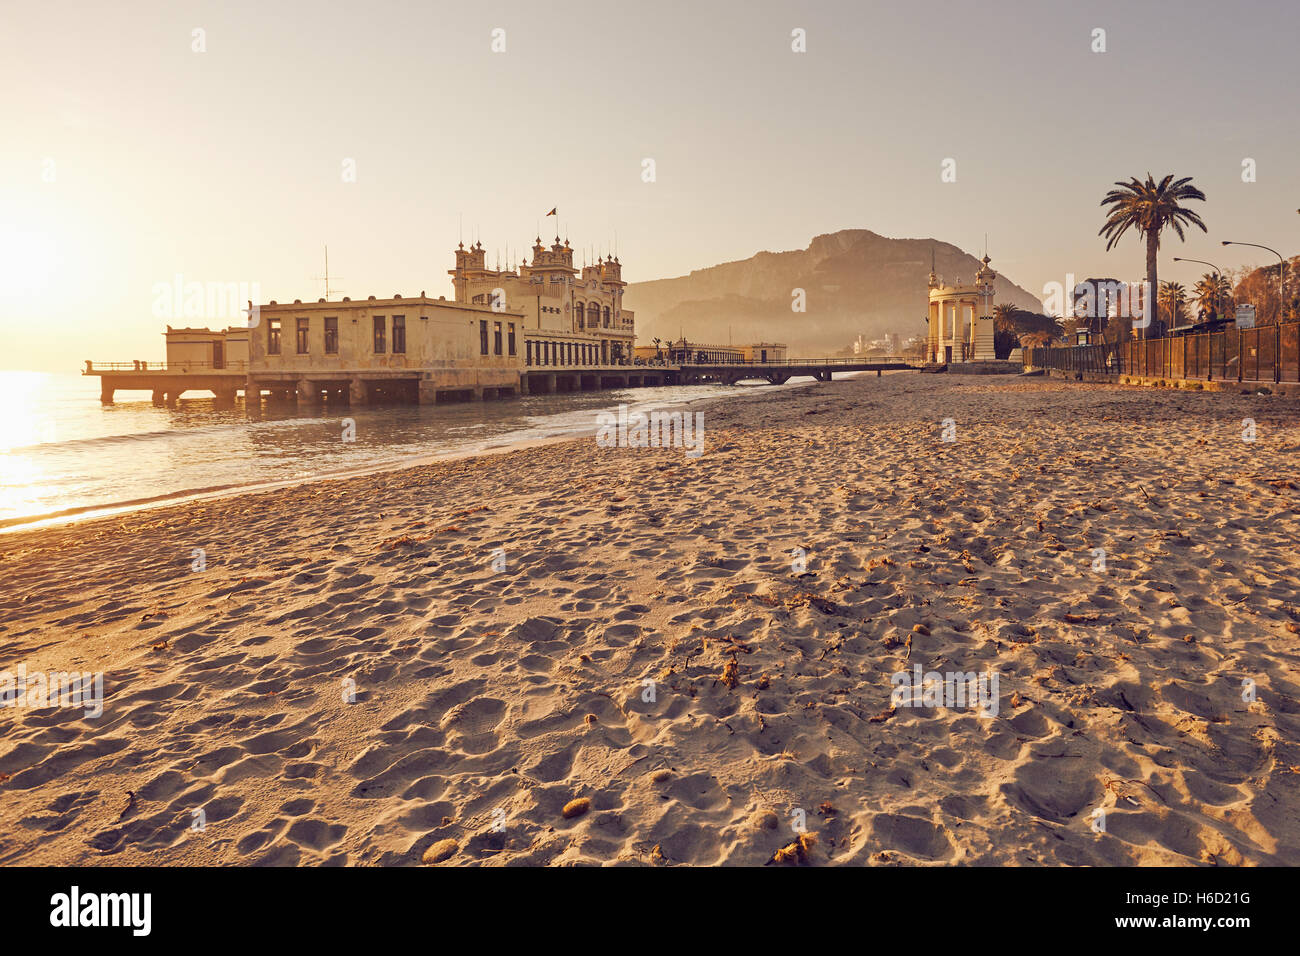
{"points": [[855, 281]]}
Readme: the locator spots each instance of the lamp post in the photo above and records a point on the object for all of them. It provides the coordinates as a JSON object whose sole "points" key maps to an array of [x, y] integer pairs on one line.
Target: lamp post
{"points": [[1281, 275], [1217, 273]]}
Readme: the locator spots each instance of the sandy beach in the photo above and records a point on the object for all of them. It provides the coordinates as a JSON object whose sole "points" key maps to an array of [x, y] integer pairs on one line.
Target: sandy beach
{"points": [[571, 654]]}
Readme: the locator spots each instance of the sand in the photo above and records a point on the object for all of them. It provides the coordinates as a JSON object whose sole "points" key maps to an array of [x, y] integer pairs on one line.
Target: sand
{"points": [[352, 681]]}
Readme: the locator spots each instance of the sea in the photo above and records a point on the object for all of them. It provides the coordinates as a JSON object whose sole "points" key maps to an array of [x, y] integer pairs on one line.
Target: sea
{"points": [[63, 455]]}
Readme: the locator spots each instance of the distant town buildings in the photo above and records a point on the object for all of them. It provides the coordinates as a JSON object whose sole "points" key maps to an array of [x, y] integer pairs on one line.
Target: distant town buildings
{"points": [[888, 344]]}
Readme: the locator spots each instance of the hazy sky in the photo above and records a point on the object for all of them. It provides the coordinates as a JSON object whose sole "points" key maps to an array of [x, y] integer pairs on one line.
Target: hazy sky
{"points": [[128, 158]]}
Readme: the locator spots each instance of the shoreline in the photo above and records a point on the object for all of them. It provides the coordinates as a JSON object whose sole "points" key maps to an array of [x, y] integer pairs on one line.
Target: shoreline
{"points": [[84, 513], [700, 648]]}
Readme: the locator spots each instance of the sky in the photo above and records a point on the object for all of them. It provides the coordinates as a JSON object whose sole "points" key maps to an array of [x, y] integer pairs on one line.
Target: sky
{"points": [[136, 150]]}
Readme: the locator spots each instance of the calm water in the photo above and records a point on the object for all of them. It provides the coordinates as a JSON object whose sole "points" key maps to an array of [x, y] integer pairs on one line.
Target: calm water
{"points": [[62, 450]]}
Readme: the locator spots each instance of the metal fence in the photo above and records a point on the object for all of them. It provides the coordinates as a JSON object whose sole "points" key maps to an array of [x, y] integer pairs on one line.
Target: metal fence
{"points": [[1268, 353]]}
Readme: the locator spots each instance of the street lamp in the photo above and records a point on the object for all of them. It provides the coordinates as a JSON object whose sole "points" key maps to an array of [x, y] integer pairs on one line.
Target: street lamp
{"points": [[1281, 275], [1217, 272]]}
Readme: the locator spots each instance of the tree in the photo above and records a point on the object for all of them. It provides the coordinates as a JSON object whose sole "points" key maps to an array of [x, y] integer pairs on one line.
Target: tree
{"points": [[1004, 315], [1213, 293], [1149, 208], [1005, 331], [1173, 304], [1258, 285]]}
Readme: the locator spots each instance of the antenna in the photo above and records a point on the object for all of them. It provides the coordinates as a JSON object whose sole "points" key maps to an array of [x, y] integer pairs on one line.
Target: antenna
{"points": [[326, 277]]}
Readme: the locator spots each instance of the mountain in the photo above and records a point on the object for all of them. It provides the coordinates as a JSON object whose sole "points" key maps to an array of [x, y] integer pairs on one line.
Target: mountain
{"points": [[855, 283]]}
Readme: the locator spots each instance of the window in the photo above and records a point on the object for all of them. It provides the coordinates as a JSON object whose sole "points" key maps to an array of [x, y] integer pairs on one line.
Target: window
{"points": [[478, 300], [304, 327], [331, 335], [606, 316], [512, 339], [273, 337], [399, 334], [482, 336], [378, 322], [496, 338]]}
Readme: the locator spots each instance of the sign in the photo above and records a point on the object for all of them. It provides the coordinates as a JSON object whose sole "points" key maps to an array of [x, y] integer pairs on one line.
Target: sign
{"points": [[1246, 316]]}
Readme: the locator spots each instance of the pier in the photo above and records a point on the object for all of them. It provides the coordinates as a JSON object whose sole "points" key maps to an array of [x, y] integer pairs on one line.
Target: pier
{"points": [[168, 381]]}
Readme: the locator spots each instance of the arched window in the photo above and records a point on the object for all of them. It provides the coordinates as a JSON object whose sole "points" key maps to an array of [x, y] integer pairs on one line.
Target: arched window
{"points": [[593, 315], [578, 314], [606, 316]]}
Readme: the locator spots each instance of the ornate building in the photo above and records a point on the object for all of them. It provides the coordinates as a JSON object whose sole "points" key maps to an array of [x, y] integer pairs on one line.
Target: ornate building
{"points": [[554, 296], [961, 319]]}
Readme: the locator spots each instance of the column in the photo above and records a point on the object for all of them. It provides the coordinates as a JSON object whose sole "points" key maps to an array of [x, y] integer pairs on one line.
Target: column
{"points": [[307, 392], [357, 391]]}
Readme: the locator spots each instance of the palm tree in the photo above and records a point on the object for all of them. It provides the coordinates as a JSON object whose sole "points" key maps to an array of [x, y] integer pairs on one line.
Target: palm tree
{"points": [[1173, 300], [1005, 337], [1214, 293], [1004, 316], [1149, 207]]}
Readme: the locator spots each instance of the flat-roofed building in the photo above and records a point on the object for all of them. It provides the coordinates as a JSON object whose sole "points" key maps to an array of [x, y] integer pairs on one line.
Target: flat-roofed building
{"points": [[762, 352], [394, 348], [197, 349], [545, 326]]}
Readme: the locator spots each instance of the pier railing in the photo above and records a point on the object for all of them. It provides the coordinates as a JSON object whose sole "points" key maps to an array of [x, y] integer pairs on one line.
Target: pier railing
{"points": [[95, 368], [802, 362]]}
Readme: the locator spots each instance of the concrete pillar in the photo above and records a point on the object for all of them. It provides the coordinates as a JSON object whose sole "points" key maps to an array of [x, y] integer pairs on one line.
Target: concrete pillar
{"points": [[358, 393], [159, 397], [225, 397], [307, 392], [523, 383], [105, 391], [549, 378], [428, 393]]}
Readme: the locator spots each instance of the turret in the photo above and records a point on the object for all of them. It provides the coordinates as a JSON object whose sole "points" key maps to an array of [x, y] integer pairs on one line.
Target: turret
{"points": [[611, 272]]}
